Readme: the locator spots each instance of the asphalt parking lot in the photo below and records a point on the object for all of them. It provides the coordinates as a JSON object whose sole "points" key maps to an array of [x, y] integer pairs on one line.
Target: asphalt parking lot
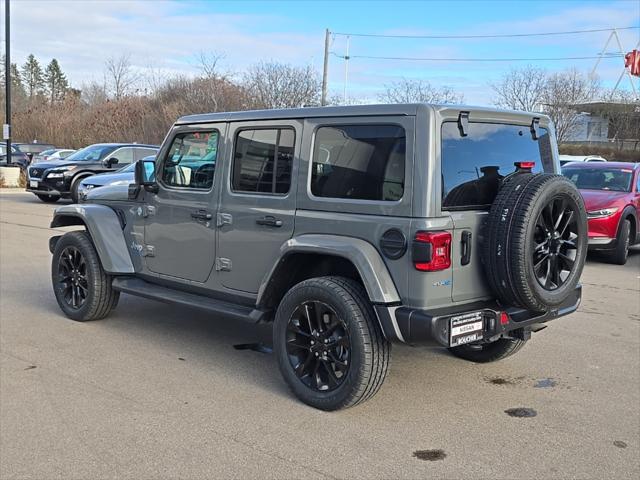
{"points": [[156, 391]]}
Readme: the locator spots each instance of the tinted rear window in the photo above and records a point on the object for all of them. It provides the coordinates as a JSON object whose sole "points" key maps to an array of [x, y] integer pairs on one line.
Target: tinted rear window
{"points": [[360, 162], [473, 166]]}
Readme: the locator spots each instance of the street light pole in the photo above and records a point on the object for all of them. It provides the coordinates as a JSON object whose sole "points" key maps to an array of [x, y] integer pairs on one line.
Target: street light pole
{"points": [[7, 81]]}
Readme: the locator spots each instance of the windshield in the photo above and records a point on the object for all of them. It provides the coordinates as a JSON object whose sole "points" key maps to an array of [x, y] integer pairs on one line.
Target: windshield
{"points": [[92, 153], [611, 179]]}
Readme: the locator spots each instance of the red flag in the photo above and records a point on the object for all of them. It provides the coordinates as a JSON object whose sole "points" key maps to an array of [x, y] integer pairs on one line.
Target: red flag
{"points": [[632, 62]]}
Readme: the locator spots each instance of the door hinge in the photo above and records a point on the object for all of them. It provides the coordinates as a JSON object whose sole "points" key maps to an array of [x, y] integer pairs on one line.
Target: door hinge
{"points": [[224, 219], [149, 251], [223, 264]]}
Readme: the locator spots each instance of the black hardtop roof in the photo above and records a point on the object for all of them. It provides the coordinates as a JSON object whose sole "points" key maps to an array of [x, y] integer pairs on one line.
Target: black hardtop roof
{"points": [[399, 109]]}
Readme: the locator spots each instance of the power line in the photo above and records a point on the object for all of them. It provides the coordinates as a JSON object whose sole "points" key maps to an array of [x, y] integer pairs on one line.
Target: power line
{"points": [[422, 59], [498, 35]]}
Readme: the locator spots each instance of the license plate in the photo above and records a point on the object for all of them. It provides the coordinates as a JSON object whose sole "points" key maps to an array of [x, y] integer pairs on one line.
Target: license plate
{"points": [[465, 328], [33, 183]]}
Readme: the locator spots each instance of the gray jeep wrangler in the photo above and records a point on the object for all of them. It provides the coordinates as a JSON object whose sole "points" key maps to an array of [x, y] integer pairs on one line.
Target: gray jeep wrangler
{"points": [[348, 228]]}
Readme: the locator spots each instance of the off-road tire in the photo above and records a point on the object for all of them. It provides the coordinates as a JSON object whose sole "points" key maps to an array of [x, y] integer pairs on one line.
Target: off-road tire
{"points": [[369, 350], [488, 352], [508, 246], [619, 254], [48, 198], [101, 298]]}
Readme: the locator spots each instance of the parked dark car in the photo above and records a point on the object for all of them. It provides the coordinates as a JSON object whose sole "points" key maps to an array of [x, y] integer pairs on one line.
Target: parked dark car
{"points": [[50, 181], [123, 176], [33, 149], [17, 157]]}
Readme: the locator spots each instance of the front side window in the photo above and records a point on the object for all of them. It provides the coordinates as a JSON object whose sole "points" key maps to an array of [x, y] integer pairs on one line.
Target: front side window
{"points": [[262, 161], [359, 162], [124, 156], [474, 165], [191, 160]]}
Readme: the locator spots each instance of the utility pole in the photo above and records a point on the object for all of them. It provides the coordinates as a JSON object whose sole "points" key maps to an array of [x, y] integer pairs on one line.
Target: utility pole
{"points": [[325, 69], [6, 128]]}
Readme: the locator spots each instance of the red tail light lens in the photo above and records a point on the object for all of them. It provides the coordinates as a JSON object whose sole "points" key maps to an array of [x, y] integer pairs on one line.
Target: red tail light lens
{"points": [[525, 165], [504, 318], [432, 251]]}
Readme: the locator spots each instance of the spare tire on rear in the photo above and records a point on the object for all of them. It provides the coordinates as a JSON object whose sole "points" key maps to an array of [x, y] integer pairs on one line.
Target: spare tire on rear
{"points": [[535, 241]]}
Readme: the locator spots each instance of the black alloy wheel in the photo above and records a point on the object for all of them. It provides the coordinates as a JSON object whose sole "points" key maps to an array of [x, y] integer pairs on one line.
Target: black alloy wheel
{"points": [[72, 277], [555, 252], [318, 346]]}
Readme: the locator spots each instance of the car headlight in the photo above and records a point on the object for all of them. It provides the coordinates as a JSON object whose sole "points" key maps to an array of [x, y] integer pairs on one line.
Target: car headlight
{"points": [[605, 212], [60, 171], [87, 186]]}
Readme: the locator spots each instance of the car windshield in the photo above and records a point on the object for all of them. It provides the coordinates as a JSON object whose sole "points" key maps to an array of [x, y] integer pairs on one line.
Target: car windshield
{"points": [[48, 152], [611, 179], [92, 153]]}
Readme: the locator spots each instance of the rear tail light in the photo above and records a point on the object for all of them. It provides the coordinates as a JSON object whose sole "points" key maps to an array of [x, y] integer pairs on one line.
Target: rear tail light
{"points": [[504, 318], [431, 251], [525, 165]]}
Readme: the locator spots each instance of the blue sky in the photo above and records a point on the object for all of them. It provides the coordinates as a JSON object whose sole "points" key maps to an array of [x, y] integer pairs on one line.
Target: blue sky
{"points": [[164, 38]]}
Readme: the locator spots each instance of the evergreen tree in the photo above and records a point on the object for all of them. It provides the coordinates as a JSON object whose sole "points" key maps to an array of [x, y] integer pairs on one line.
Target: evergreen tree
{"points": [[32, 76], [55, 82], [17, 89]]}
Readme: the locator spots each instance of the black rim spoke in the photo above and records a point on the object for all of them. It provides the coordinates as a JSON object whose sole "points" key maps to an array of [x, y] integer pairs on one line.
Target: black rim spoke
{"points": [[320, 357], [72, 277], [555, 244]]}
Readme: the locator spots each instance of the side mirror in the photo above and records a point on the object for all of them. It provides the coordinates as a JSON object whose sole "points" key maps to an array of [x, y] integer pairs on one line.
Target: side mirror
{"points": [[145, 175], [109, 162]]}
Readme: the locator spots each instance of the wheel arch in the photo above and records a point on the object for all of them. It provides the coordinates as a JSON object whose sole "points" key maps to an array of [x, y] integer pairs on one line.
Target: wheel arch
{"points": [[105, 229], [629, 213], [315, 255]]}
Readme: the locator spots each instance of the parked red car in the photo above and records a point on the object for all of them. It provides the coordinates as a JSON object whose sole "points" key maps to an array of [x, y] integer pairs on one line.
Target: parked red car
{"points": [[611, 192]]}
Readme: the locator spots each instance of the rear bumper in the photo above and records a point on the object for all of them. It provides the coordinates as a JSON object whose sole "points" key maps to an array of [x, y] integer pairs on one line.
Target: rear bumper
{"points": [[414, 326]]}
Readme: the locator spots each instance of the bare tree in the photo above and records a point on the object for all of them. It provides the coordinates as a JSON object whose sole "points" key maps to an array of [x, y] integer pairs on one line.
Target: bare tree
{"points": [[209, 64], [564, 93], [278, 85], [622, 111], [521, 89], [120, 76], [93, 93], [419, 91]]}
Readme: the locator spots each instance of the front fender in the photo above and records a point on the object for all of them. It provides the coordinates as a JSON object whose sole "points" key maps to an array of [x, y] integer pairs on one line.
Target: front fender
{"points": [[103, 225], [366, 259]]}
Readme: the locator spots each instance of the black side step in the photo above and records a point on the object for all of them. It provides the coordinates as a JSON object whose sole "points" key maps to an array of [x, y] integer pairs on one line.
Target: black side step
{"points": [[136, 286]]}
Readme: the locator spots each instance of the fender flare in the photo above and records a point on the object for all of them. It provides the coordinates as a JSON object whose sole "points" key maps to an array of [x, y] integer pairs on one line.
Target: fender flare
{"points": [[627, 211], [105, 229], [366, 259]]}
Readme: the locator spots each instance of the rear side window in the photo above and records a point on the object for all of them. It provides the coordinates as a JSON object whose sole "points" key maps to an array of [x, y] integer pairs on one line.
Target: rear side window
{"points": [[359, 162], [474, 165], [262, 161]]}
